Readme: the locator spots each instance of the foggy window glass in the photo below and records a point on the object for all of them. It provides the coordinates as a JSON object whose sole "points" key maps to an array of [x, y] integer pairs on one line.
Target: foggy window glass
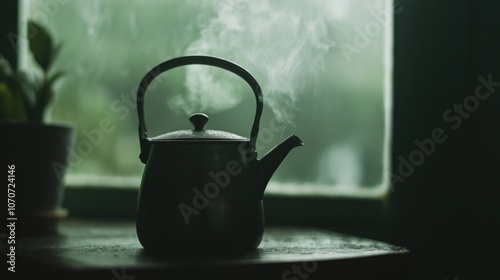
{"points": [[324, 67]]}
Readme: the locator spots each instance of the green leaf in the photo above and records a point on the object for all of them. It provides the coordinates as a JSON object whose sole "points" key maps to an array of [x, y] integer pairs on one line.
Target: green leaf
{"points": [[44, 97], [11, 105], [5, 69], [46, 94], [55, 52], [41, 45], [5, 101], [55, 77]]}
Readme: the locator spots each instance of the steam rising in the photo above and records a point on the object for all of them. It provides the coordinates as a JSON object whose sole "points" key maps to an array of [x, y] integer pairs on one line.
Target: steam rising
{"points": [[283, 43]]}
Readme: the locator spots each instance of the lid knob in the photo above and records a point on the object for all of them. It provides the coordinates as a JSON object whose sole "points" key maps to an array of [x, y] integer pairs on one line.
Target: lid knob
{"points": [[198, 120]]}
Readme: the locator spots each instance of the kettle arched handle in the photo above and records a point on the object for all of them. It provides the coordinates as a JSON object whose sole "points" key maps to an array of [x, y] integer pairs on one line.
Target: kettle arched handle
{"points": [[187, 60]]}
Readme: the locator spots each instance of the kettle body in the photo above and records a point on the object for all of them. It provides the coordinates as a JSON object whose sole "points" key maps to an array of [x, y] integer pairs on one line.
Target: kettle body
{"points": [[202, 190], [207, 203]]}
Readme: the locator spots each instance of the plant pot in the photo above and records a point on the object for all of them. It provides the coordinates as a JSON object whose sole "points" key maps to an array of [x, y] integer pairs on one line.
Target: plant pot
{"points": [[39, 155]]}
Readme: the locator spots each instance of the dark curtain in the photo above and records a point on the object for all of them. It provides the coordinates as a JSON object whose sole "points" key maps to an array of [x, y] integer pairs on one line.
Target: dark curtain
{"points": [[445, 204]]}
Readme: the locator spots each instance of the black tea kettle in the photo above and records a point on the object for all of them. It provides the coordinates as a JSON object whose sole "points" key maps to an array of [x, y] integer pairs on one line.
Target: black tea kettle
{"points": [[202, 189]]}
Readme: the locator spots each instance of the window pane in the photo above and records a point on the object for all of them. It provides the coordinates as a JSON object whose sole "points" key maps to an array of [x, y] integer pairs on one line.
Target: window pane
{"points": [[323, 65]]}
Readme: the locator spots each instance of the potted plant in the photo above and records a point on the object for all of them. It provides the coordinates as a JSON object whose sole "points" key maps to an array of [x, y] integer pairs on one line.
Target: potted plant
{"points": [[34, 152]]}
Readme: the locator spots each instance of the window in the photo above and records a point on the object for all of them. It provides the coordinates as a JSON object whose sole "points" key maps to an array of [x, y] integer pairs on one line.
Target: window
{"points": [[324, 66]]}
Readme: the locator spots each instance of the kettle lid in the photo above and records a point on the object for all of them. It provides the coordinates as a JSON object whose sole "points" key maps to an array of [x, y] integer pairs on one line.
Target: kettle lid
{"points": [[198, 132]]}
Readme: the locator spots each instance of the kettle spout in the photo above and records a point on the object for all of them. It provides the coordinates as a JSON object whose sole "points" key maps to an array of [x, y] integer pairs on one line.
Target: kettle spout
{"points": [[267, 165]]}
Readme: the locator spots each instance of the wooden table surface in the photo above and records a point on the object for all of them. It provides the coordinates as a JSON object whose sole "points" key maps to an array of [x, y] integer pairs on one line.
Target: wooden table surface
{"points": [[110, 250]]}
